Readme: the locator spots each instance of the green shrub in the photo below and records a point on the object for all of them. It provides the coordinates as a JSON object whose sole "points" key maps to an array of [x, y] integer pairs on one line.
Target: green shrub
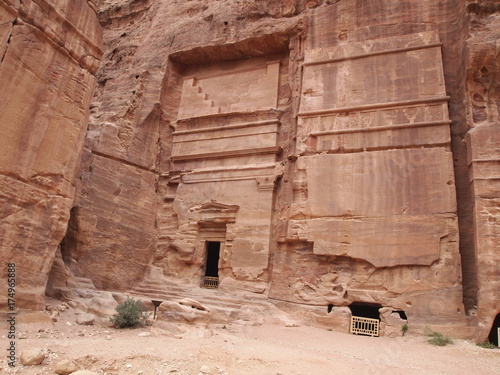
{"points": [[487, 345], [404, 328], [439, 339], [130, 314]]}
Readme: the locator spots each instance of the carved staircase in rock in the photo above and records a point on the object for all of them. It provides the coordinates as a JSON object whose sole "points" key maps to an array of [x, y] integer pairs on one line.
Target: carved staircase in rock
{"points": [[195, 102]]}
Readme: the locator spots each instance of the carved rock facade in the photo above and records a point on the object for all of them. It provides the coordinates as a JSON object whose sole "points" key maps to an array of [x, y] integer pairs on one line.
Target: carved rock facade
{"points": [[320, 153]]}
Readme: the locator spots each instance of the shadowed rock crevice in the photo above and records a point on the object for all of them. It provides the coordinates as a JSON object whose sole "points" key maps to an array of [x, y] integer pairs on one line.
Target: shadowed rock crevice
{"points": [[5, 44]]}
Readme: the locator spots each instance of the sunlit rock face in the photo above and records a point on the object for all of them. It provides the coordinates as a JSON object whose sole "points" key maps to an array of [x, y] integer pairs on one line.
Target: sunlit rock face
{"points": [[49, 53], [319, 153]]}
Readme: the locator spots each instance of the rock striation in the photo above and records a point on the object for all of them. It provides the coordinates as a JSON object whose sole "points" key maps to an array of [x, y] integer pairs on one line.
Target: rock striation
{"points": [[285, 153], [334, 157], [49, 53], [483, 145]]}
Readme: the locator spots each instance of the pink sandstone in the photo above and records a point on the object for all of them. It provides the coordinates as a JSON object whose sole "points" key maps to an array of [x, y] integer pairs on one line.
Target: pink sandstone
{"points": [[328, 152]]}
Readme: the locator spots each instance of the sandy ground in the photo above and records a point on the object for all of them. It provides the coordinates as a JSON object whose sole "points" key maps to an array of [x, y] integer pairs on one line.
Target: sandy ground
{"points": [[241, 350]]}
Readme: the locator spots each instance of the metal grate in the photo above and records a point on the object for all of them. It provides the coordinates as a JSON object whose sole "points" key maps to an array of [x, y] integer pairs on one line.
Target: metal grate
{"points": [[364, 326], [211, 282]]}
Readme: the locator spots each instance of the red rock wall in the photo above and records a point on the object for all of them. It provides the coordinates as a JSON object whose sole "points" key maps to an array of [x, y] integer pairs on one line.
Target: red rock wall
{"points": [[352, 203], [140, 201], [49, 52], [149, 45], [137, 105], [483, 143]]}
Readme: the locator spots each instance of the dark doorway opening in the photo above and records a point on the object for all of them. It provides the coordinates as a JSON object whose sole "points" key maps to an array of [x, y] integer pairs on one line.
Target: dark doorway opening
{"points": [[401, 313], [365, 310], [212, 264], [493, 336]]}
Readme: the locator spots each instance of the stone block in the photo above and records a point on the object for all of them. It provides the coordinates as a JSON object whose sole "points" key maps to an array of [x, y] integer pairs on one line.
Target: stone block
{"points": [[395, 182], [386, 241]]}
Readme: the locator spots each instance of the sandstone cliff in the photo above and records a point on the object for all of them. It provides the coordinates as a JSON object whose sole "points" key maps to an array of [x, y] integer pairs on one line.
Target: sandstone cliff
{"points": [[364, 105], [320, 153], [483, 146], [49, 53]]}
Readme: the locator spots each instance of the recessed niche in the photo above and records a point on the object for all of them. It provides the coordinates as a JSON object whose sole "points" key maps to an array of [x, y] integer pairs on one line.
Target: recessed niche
{"points": [[221, 88]]}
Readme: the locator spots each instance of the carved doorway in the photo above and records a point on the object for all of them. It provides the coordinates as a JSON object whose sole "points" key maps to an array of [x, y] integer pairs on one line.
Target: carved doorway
{"points": [[211, 279]]}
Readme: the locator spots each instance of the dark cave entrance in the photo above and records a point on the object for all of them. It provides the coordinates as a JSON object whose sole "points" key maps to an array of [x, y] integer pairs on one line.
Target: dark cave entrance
{"points": [[365, 319], [68, 244], [365, 310], [494, 333], [64, 259], [212, 259]]}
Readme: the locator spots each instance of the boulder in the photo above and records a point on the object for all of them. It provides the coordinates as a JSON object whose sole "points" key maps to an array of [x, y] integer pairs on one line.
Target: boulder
{"points": [[184, 311], [103, 305], [32, 357], [86, 319], [65, 367]]}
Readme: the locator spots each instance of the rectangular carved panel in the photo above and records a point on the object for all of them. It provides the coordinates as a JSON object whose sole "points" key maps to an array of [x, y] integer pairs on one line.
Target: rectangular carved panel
{"points": [[374, 94], [411, 182], [240, 139], [250, 86]]}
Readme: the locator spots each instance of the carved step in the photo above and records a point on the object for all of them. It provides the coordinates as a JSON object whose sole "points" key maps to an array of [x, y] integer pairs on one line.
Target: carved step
{"points": [[195, 102], [209, 298]]}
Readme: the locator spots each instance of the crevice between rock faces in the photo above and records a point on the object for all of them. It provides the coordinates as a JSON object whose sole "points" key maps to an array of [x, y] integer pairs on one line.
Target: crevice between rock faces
{"points": [[8, 40]]}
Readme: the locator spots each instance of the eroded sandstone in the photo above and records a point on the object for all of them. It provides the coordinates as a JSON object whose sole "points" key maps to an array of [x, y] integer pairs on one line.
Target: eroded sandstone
{"points": [[49, 53], [319, 154]]}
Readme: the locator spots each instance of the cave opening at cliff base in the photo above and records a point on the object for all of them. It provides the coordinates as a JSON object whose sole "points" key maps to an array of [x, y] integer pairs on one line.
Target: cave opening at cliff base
{"points": [[365, 310], [493, 337]]}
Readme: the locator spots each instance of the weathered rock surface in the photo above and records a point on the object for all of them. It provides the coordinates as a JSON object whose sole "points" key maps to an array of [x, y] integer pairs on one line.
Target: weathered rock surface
{"points": [[102, 305], [49, 52], [185, 310], [309, 151], [65, 367], [332, 187], [34, 321], [86, 319], [391, 323], [483, 142], [32, 357]]}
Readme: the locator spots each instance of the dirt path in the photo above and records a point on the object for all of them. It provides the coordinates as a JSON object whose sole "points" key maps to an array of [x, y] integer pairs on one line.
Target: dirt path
{"points": [[242, 350]]}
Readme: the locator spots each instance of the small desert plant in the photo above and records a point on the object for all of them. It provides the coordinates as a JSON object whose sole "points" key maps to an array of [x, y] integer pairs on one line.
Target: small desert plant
{"points": [[130, 314], [404, 328], [439, 339], [487, 345]]}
